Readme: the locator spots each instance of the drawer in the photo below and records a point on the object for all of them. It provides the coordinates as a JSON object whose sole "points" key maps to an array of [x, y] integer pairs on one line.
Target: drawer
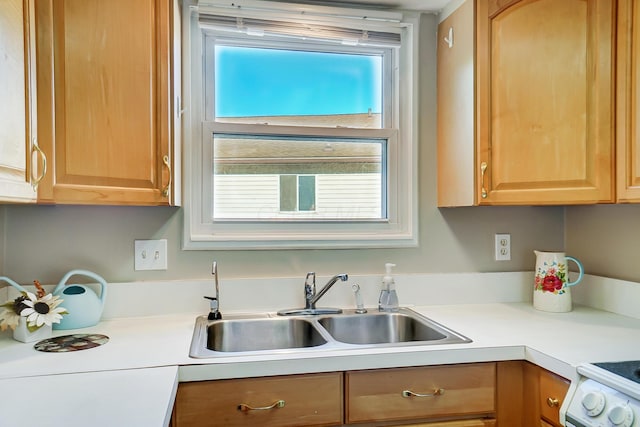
{"points": [[308, 400], [553, 389], [461, 423], [386, 394]]}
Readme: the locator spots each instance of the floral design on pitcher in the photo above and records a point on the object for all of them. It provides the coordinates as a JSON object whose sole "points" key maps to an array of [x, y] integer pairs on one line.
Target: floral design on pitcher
{"points": [[551, 278]]}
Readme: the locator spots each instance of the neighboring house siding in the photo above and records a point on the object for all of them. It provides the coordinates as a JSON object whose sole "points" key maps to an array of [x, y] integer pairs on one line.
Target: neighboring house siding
{"points": [[348, 196], [246, 196], [257, 196]]}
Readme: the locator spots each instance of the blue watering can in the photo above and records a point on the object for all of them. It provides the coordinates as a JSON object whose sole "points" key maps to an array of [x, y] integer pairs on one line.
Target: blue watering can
{"points": [[82, 303]]}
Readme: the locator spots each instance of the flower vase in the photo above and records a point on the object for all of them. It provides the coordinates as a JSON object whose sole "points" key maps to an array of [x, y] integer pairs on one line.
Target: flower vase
{"points": [[552, 287], [23, 334]]}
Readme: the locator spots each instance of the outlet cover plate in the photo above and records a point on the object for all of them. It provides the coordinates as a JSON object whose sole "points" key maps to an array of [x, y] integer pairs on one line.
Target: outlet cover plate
{"points": [[503, 247]]}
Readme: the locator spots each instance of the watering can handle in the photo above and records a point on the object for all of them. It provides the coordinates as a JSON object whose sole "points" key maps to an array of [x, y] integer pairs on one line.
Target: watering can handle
{"points": [[94, 276], [580, 271], [12, 283]]}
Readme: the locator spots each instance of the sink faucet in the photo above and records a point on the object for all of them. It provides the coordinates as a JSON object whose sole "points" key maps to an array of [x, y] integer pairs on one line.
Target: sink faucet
{"points": [[310, 295], [214, 313]]}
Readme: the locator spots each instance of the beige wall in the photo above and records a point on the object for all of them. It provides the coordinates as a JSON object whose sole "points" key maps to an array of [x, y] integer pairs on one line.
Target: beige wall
{"points": [[606, 239], [46, 241]]}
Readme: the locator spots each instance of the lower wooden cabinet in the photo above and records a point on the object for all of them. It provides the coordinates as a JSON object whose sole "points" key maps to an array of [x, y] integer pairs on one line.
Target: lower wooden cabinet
{"points": [[553, 389], [420, 393], [461, 423], [543, 394], [292, 400], [500, 394]]}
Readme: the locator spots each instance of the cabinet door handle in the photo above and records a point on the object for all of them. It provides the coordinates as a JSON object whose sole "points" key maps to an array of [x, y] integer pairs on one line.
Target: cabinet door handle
{"points": [[36, 148], [483, 169], [448, 39], [552, 402], [246, 408], [165, 190], [179, 109], [436, 392]]}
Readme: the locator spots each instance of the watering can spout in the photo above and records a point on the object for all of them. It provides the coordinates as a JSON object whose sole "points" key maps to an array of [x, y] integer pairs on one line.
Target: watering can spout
{"points": [[12, 283]]}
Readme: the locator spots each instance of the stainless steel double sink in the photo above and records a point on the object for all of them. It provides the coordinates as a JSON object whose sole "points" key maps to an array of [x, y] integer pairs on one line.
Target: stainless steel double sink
{"points": [[265, 334]]}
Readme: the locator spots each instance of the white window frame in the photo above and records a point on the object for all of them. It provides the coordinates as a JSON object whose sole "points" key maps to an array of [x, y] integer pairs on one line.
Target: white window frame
{"points": [[399, 229]]}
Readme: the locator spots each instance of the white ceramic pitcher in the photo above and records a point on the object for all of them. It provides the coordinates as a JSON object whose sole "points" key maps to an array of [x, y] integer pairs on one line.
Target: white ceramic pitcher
{"points": [[552, 288]]}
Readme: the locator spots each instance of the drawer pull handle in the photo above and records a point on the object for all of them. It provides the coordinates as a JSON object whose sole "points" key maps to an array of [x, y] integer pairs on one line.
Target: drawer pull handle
{"points": [[436, 392], [246, 408], [552, 402]]}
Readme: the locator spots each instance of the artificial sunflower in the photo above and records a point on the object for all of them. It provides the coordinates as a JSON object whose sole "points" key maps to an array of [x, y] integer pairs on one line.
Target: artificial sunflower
{"points": [[10, 313], [42, 310]]}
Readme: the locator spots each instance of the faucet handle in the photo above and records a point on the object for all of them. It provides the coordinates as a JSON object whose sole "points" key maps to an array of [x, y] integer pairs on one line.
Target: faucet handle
{"points": [[311, 274], [310, 288]]}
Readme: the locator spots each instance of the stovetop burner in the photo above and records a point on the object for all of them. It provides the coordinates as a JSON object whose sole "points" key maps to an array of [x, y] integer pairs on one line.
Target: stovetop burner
{"points": [[626, 369]]}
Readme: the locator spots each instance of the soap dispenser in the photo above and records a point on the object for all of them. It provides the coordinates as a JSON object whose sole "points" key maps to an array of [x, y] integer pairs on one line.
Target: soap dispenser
{"points": [[388, 296]]}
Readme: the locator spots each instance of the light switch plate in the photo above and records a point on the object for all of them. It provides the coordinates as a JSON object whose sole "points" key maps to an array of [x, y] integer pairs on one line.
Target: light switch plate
{"points": [[150, 254]]}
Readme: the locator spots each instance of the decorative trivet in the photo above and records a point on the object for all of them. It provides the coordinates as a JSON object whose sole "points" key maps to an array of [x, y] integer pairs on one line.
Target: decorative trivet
{"points": [[73, 342]]}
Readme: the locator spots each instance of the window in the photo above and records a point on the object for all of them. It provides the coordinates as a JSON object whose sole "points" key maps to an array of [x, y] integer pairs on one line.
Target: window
{"points": [[297, 193], [298, 137]]}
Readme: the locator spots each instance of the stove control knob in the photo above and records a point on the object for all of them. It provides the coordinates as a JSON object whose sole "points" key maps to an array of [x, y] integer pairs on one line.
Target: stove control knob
{"points": [[593, 403], [621, 415]]}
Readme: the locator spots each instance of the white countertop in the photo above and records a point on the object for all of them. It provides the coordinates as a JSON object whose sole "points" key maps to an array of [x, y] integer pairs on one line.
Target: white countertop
{"points": [[99, 399], [141, 347]]}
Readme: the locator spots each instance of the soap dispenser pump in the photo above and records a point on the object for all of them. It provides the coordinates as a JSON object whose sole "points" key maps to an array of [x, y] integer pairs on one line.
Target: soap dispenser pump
{"points": [[388, 296]]}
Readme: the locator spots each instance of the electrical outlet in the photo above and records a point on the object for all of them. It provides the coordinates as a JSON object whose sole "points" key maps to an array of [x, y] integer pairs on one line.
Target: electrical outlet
{"points": [[503, 247], [150, 254]]}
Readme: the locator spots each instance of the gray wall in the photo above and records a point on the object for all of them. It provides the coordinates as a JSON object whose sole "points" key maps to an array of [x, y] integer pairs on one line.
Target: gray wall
{"points": [[3, 241], [606, 238], [46, 241]]}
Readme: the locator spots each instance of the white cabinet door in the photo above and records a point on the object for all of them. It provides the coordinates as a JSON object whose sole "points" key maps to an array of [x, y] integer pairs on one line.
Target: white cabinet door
{"points": [[15, 120]]}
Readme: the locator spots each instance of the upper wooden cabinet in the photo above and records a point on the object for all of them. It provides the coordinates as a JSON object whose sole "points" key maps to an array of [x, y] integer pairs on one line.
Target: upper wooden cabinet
{"points": [[456, 140], [541, 92], [16, 121], [627, 107], [105, 101]]}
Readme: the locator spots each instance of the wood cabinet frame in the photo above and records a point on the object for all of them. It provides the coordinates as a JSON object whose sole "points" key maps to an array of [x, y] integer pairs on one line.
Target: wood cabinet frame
{"points": [[97, 153], [492, 152]]}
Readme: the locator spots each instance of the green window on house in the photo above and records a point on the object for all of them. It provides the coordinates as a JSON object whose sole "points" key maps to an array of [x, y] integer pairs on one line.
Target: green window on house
{"points": [[297, 193]]}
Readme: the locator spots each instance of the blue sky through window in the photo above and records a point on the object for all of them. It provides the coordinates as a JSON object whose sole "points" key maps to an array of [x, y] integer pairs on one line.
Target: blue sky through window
{"points": [[273, 82]]}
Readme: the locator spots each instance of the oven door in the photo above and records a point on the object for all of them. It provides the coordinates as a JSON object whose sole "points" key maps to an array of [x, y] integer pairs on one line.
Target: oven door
{"points": [[570, 422]]}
